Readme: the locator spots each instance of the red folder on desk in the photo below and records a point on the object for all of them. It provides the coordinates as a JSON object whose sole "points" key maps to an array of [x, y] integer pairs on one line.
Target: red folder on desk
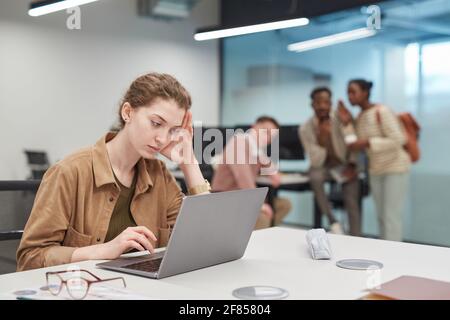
{"points": [[413, 288]]}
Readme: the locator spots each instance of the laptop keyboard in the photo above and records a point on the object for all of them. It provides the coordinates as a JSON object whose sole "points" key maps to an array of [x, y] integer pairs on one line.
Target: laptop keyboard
{"points": [[147, 266]]}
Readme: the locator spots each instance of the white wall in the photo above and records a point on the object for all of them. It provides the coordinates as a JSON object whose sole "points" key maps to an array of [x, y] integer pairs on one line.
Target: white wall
{"points": [[60, 88]]}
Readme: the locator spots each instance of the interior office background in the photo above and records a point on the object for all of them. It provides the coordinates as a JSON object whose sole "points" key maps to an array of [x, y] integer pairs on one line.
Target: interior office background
{"points": [[60, 89], [408, 63]]}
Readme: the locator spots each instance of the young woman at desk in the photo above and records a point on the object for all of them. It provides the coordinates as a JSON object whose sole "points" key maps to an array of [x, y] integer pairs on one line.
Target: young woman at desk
{"points": [[115, 196]]}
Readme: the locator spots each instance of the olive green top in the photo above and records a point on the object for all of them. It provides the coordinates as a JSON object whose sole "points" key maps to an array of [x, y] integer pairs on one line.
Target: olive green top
{"points": [[121, 217]]}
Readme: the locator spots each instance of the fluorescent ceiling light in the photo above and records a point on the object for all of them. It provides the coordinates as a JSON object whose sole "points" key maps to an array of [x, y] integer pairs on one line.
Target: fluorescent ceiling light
{"points": [[39, 8], [208, 35], [332, 39]]}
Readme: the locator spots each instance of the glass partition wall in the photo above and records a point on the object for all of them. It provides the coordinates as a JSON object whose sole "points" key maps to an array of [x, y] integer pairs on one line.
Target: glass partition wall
{"points": [[408, 62]]}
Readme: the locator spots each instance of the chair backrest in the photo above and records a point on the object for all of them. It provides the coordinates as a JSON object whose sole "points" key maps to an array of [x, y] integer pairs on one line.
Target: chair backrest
{"points": [[37, 162], [37, 157], [335, 195], [16, 198]]}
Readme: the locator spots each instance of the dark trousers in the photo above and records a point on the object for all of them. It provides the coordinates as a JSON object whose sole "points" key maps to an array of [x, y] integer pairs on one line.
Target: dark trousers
{"points": [[318, 177]]}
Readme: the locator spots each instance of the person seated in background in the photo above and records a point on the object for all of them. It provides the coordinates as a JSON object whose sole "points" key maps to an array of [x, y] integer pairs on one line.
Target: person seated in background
{"points": [[115, 196], [241, 162], [323, 139]]}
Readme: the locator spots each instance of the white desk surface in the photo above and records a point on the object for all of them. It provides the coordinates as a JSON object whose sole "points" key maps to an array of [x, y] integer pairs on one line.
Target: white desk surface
{"points": [[277, 257]]}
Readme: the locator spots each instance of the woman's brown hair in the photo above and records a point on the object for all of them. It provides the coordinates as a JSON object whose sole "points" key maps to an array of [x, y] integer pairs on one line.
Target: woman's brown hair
{"points": [[149, 87]]}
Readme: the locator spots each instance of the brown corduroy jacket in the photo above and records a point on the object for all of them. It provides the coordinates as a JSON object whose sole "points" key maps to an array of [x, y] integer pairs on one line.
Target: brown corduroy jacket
{"points": [[76, 198]]}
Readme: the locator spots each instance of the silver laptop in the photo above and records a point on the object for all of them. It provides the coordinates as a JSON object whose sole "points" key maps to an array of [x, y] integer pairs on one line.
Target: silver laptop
{"points": [[210, 229]]}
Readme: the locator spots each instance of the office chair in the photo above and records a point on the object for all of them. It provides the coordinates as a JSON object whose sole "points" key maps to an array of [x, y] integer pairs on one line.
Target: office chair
{"points": [[17, 199], [37, 162]]}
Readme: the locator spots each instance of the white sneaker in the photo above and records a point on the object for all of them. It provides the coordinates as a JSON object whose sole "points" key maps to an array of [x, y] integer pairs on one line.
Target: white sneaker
{"points": [[336, 228]]}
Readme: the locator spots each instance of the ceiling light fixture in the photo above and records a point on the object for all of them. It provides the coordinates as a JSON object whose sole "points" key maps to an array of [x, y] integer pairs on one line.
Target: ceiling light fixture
{"points": [[39, 8], [230, 32], [332, 39]]}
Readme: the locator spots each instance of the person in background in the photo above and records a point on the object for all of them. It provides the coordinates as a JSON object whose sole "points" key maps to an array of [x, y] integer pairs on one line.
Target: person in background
{"points": [[323, 139], [241, 162], [115, 196], [381, 135]]}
